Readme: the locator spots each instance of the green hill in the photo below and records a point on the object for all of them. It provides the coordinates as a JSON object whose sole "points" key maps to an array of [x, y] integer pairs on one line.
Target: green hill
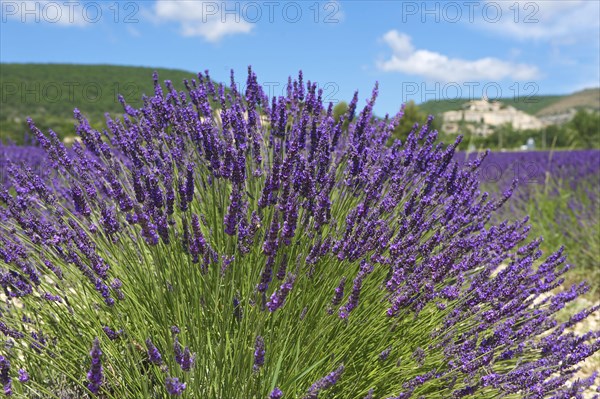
{"points": [[588, 98], [49, 92]]}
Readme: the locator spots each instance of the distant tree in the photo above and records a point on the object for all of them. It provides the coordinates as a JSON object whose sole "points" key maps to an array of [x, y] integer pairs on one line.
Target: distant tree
{"points": [[412, 115], [556, 136], [585, 129], [340, 109]]}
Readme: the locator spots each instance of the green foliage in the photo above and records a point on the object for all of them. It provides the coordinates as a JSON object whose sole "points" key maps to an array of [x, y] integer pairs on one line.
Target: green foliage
{"points": [[340, 109], [585, 127], [412, 115]]}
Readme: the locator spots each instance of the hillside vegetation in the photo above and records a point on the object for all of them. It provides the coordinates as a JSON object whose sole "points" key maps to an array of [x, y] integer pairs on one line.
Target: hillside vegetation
{"points": [[49, 92], [589, 98]]}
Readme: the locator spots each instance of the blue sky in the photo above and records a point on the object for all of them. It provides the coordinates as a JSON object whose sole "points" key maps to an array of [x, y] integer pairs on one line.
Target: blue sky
{"points": [[415, 50]]}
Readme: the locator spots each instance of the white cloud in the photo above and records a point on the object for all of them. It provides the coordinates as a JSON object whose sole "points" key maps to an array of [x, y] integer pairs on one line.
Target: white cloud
{"points": [[51, 12], [432, 65], [208, 19], [541, 20]]}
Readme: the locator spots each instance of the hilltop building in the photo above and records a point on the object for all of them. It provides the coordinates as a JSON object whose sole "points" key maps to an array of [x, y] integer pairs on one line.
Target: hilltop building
{"points": [[480, 117]]}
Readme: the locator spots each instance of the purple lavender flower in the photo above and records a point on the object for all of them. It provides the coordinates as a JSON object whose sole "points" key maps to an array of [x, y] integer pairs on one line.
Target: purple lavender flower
{"points": [[9, 332], [52, 298], [189, 183], [5, 379], [259, 353], [174, 387], [338, 295], [419, 356], [356, 288], [278, 297], [153, 354], [95, 375], [184, 358], [23, 376], [276, 393], [324, 383], [81, 204], [385, 353], [111, 334]]}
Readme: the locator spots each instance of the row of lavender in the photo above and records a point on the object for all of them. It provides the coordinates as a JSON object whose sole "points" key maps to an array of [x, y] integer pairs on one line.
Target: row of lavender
{"points": [[303, 257], [538, 167], [571, 177]]}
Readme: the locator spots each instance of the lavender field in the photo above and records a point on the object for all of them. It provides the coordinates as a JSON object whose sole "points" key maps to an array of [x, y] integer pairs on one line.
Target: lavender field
{"points": [[227, 244]]}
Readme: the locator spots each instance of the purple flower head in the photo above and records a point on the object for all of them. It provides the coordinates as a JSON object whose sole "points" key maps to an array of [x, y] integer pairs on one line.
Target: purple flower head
{"points": [[356, 288], [278, 297], [385, 353], [5, 379], [189, 183], [95, 375], [419, 356], [23, 375], [276, 394], [259, 353], [111, 334], [9, 332], [184, 358], [174, 387], [81, 205], [153, 354], [324, 383], [52, 298]]}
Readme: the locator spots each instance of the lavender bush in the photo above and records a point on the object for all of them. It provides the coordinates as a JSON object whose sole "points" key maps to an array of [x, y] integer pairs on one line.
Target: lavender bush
{"points": [[218, 244]]}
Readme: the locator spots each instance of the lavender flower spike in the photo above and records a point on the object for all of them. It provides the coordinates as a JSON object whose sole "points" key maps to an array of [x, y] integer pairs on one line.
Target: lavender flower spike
{"points": [[278, 297], [185, 359], [23, 375], [259, 353], [276, 394], [95, 375], [153, 354], [5, 379], [174, 387], [324, 383]]}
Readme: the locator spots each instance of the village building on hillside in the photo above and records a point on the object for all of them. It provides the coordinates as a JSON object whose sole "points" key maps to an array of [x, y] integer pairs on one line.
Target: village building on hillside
{"points": [[480, 117]]}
